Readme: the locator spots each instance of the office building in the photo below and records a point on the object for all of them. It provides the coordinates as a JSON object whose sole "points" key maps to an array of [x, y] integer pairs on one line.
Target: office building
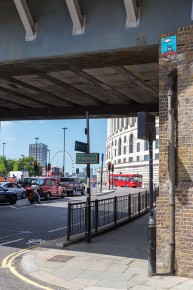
{"points": [[39, 151]]}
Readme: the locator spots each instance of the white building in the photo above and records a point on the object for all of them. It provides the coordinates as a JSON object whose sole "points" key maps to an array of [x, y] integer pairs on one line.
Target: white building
{"points": [[128, 153]]}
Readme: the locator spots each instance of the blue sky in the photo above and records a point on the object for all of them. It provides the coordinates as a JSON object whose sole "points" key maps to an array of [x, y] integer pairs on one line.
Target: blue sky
{"points": [[19, 134]]}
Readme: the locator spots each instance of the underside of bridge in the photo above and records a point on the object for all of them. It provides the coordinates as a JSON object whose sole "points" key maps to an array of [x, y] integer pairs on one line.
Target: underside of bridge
{"points": [[106, 84]]}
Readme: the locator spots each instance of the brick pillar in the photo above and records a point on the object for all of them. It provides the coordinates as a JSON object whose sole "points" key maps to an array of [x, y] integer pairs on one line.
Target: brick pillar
{"points": [[183, 62]]}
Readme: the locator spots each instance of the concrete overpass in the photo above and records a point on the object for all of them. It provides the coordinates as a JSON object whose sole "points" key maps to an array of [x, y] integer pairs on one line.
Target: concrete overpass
{"points": [[61, 58]]}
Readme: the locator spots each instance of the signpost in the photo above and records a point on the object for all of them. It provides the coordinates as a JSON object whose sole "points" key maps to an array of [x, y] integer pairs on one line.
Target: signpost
{"points": [[80, 146], [87, 158]]}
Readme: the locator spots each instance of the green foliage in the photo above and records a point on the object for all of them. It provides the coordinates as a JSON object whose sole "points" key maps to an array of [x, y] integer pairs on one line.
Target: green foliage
{"points": [[25, 163]]}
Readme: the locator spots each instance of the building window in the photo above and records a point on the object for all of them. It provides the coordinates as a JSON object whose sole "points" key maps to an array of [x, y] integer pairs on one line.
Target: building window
{"points": [[125, 138], [157, 130], [115, 142], [131, 144], [119, 147], [124, 160], [138, 147], [124, 150], [132, 121], [119, 160], [115, 152], [112, 143], [157, 156], [138, 158], [131, 159], [122, 122], [146, 145], [156, 143], [117, 124], [146, 157]]}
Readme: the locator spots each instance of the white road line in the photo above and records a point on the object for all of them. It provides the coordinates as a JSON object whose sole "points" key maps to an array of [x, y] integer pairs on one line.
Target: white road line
{"points": [[57, 230], [10, 242], [5, 237], [23, 207]]}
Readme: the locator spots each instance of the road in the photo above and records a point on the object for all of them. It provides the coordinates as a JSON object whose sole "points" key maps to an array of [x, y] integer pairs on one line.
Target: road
{"points": [[24, 225]]}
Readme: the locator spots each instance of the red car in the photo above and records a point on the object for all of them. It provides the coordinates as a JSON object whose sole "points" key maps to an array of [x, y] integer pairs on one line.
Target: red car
{"points": [[49, 187]]}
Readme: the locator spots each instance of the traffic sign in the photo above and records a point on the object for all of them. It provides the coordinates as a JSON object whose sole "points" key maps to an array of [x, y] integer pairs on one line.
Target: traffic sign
{"points": [[87, 158], [80, 146]]}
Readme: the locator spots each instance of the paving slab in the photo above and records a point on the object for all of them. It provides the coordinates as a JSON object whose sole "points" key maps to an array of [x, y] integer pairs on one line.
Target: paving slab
{"points": [[114, 260]]}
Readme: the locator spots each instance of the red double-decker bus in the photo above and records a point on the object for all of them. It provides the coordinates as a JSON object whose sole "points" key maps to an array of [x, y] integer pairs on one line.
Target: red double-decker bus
{"points": [[126, 180], [53, 172]]}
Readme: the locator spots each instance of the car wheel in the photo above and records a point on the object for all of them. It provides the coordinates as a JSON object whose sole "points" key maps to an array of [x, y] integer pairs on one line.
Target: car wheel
{"points": [[48, 195], [62, 196], [13, 200], [23, 195]]}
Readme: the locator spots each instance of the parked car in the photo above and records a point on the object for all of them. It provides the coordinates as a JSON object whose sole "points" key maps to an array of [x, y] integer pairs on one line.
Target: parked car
{"points": [[7, 196], [27, 181], [14, 187], [71, 186], [49, 187]]}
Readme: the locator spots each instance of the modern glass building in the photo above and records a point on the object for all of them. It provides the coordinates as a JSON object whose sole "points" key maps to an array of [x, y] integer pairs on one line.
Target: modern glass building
{"points": [[39, 151]]}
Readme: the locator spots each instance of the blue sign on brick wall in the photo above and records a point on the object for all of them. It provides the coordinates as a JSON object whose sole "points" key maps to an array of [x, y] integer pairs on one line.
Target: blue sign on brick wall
{"points": [[168, 45]]}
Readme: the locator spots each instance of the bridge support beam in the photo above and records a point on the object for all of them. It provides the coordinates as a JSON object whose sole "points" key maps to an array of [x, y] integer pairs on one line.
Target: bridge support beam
{"points": [[26, 18], [132, 13], [78, 19]]}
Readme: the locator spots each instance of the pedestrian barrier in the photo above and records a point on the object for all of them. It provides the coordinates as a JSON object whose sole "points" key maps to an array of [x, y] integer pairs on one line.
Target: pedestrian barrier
{"points": [[108, 211]]}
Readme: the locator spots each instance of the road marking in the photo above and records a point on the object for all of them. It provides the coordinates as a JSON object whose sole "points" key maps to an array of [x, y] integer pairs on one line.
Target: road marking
{"points": [[8, 264], [10, 242], [57, 230], [23, 207], [36, 242]]}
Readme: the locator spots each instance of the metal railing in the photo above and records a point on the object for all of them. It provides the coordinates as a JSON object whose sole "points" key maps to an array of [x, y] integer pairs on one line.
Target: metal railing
{"points": [[109, 211]]}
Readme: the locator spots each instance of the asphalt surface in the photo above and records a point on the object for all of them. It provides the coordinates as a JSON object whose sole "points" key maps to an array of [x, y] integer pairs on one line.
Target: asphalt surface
{"points": [[25, 226]]}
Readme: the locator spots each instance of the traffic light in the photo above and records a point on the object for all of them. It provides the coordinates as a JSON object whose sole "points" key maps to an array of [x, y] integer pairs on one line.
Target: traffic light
{"points": [[109, 165], [35, 165], [49, 166], [46, 167]]}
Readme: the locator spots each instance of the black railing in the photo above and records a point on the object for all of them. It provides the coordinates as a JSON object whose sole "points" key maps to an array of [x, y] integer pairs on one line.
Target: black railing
{"points": [[107, 211]]}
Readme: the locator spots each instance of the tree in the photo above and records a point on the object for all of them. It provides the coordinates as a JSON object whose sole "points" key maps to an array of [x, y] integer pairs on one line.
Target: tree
{"points": [[2, 168], [16, 166]]}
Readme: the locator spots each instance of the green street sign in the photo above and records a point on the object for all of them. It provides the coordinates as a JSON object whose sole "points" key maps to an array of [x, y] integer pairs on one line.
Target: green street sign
{"points": [[87, 158], [80, 146]]}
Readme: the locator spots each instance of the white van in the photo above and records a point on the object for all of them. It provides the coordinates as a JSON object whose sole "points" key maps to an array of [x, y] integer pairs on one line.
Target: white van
{"points": [[19, 174]]}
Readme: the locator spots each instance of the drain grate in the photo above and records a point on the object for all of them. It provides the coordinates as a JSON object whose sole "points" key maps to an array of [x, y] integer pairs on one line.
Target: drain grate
{"points": [[61, 258]]}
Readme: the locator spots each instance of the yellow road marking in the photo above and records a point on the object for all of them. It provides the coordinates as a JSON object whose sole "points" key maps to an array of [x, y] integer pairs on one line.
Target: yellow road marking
{"points": [[8, 263]]}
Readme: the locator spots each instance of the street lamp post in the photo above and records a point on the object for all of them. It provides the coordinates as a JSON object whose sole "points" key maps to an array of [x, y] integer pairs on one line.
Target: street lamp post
{"points": [[37, 147], [64, 153], [3, 148]]}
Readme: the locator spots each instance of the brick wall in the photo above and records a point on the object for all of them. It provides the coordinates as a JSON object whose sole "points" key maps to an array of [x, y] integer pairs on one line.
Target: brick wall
{"points": [[183, 61]]}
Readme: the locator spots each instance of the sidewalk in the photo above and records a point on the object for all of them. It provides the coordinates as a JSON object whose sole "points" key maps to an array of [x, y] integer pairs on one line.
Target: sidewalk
{"points": [[114, 260]]}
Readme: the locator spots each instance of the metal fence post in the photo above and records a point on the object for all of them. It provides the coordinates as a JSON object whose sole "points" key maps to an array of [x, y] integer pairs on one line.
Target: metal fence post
{"points": [[96, 214], [129, 206], [115, 209], [69, 222], [146, 200], [139, 202]]}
